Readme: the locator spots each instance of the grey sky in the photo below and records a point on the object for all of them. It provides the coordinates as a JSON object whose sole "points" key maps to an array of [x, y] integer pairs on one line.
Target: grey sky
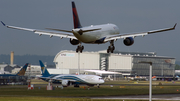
{"points": [[129, 15]]}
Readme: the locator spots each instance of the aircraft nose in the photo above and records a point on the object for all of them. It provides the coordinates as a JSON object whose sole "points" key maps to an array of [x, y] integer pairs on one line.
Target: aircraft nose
{"points": [[102, 81]]}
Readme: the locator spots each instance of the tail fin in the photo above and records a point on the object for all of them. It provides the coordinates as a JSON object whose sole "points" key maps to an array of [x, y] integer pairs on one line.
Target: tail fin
{"points": [[77, 23], [43, 69], [23, 70]]}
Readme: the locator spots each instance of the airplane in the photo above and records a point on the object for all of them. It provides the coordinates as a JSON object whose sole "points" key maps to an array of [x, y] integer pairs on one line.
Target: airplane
{"points": [[68, 79], [9, 78], [20, 73], [100, 72], [94, 34]]}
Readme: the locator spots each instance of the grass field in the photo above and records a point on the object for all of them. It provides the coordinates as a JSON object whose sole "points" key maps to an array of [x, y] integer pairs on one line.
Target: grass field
{"points": [[92, 92], [57, 99], [21, 93]]}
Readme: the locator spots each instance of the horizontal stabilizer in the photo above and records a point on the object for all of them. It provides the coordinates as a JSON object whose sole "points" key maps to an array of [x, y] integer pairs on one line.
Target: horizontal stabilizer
{"points": [[72, 31], [59, 30], [3, 23], [91, 30]]}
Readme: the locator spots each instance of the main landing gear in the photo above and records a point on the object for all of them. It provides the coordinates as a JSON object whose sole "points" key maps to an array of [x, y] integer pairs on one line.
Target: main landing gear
{"points": [[79, 48], [111, 47]]}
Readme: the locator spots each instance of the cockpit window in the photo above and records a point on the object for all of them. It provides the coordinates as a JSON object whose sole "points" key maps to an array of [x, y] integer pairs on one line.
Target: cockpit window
{"points": [[100, 79]]}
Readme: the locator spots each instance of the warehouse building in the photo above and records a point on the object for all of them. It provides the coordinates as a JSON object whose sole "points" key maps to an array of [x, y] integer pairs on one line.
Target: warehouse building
{"points": [[126, 63]]}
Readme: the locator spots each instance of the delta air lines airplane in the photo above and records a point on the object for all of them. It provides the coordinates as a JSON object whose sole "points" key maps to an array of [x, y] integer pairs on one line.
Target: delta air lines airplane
{"points": [[94, 34]]}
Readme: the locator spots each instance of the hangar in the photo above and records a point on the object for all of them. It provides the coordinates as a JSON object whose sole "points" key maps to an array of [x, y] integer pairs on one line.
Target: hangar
{"points": [[126, 63]]}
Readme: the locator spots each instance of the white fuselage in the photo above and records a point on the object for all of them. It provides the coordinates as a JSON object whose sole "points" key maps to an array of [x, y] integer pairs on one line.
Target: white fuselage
{"points": [[93, 36], [84, 79]]}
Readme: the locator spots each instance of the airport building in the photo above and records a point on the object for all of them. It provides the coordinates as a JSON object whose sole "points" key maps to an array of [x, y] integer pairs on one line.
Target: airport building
{"points": [[126, 63]]}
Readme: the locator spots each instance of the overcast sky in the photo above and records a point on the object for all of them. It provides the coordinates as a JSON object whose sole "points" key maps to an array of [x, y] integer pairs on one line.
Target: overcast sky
{"points": [[129, 15]]}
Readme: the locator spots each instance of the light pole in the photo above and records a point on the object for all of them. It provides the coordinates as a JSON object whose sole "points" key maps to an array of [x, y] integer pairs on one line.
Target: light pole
{"points": [[78, 62], [62, 68], [115, 71], [150, 79]]}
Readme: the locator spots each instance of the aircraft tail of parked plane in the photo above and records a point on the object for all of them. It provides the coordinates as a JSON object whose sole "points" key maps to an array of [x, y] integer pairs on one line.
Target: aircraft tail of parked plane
{"points": [[23, 70], [94, 34], [14, 78], [44, 70]]}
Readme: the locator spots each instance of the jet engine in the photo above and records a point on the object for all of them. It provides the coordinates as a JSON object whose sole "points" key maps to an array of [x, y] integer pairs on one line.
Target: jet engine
{"points": [[74, 41], [128, 41], [65, 83]]}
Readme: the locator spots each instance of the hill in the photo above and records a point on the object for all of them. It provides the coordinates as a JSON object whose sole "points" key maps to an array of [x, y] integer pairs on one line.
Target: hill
{"points": [[22, 59]]}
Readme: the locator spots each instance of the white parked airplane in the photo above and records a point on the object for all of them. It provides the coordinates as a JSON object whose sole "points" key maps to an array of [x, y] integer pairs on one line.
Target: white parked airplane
{"points": [[67, 80], [100, 72], [94, 34]]}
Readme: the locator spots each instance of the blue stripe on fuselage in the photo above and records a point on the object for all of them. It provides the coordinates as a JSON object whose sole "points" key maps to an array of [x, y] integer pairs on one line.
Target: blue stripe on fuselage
{"points": [[72, 78], [100, 40]]}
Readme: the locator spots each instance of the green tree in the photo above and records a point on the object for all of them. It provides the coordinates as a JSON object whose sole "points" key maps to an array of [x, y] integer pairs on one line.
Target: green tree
{"points": [[177, 67]]}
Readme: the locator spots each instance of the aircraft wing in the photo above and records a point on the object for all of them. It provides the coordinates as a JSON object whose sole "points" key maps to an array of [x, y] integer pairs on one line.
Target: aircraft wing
{"points": [[120, 36], [62, 34]]}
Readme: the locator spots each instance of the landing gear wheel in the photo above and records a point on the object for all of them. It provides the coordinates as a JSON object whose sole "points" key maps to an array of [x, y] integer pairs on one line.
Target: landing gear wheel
{"points": [[82, 47], [98, 85], [79, 49], [112, 51], [111, 48], [76, 50], [76, 85], [107, 50]]}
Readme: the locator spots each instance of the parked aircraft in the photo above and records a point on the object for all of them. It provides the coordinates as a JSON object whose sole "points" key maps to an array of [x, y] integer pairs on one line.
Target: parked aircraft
{"points": [[100, 72], [68, 79], [20, 73], [94, 34], [18, 78]]}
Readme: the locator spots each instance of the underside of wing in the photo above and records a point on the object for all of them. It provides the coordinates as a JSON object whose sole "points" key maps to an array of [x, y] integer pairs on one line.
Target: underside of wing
{"points": [[54, 33], [133, 35], [61, 34]]}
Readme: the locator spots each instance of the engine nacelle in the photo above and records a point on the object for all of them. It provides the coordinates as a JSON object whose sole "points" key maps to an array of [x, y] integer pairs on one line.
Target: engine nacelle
{"points": [[74, 41], [65, 83], [128, 41]]}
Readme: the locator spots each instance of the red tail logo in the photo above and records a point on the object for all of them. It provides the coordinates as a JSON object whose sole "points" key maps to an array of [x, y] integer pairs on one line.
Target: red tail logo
{"points": [[75, 17]]}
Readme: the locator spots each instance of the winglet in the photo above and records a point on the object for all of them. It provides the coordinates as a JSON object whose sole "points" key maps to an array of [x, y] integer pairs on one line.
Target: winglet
{"points": [[174, 26], [3, 23]]}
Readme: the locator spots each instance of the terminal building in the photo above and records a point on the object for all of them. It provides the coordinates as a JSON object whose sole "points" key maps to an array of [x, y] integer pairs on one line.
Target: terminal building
{"points": [[126, 63]]}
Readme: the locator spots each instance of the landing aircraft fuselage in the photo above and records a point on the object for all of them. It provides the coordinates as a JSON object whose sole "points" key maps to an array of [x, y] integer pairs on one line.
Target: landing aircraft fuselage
{"points": [[98, 36]]}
